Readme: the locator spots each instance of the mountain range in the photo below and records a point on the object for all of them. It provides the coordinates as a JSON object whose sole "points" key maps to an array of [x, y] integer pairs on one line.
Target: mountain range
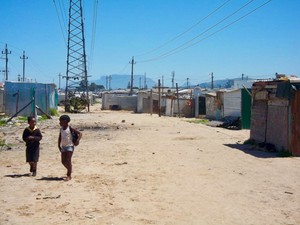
{"points": [[117, 81]]}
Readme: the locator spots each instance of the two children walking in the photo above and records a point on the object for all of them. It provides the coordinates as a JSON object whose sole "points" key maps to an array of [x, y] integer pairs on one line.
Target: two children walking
{"points": [[68, 138]]}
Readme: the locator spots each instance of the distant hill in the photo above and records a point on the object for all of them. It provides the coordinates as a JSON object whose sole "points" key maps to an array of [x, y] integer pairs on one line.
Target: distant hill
{"points": [[122, 81], [227, 83]]}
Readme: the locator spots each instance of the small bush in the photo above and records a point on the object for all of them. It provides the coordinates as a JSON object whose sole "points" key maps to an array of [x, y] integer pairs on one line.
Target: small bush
{"points": [[3, 123], [284, 153], [53, 112], [2, 143], [249, 142], [22, 118], [43, 117], [202, 121]]}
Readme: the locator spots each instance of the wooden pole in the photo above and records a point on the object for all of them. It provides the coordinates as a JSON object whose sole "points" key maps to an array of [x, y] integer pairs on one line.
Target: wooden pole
{"points": [[159, 110], [151, 102], [177, 99]]}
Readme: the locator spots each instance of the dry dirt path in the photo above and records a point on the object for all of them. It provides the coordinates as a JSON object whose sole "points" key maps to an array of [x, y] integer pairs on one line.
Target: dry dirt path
{"points": [[142, 169]]}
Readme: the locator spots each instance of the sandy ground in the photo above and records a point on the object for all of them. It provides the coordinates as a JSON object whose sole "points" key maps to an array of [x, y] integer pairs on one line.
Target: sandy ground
{"points": [[142, 169]]}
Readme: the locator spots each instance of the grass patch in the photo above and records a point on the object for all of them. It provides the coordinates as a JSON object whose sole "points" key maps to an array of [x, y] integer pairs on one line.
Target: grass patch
{"points": [[2, 143], [43, 118], [249, 142], [284, 154], [202, 121], [2, 123], [53, 112], [22, 118]]}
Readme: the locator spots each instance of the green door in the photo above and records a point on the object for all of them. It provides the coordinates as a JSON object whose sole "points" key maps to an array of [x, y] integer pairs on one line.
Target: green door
{"points": [[246, 109]]}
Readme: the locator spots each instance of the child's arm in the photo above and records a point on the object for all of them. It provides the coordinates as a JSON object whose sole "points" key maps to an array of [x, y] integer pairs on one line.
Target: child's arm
{"points": [[24, 136], [38, 136], [59, 139]]}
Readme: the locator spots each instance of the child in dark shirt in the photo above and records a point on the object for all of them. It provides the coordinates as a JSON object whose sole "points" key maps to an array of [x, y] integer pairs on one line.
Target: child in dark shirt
{"points": [[32, 136]]}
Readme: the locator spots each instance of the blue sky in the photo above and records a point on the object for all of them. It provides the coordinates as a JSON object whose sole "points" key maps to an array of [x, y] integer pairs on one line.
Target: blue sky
{"points": [[259, 45]]}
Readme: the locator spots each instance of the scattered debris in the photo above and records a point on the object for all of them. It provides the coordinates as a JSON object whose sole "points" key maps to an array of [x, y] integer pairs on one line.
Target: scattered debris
{"points": [[120, 164]]}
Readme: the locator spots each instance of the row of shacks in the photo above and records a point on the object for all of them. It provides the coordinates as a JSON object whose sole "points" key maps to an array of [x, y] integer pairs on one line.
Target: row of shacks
{"points": [[270, 109]]}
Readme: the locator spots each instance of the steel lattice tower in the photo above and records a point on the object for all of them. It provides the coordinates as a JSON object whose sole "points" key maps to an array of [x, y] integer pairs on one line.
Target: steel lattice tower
{"points": [[76, 75]]}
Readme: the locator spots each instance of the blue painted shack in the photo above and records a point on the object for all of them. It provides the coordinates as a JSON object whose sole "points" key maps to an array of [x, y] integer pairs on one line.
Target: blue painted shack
{"points": [[18, 94]]}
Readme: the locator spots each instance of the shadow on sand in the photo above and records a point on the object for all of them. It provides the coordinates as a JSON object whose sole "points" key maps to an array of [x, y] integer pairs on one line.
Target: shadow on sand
{"points": [[253, 151], [18, 175], [51, 178]]}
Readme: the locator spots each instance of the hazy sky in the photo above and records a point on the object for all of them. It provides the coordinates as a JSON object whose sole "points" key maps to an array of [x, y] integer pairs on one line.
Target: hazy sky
{"points": [[190, 37]]}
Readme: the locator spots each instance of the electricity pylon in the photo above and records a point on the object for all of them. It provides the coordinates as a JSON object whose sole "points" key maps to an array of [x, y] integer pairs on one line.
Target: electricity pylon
{"points": [[76, 76]]}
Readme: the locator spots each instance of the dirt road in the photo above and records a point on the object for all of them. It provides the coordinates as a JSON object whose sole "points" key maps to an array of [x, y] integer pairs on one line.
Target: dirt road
{"points": [[142, 169]]}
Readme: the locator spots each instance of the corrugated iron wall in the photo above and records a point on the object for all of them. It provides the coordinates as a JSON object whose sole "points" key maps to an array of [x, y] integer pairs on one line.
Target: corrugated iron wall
{"points": [[259, 120], [44, 97], [277, 123], [295, 124]]}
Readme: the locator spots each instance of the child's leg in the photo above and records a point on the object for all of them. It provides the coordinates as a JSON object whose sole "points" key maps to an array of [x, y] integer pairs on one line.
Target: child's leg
{"points": [[69, 163], [31, 166], [64, 159], [34, 167]]}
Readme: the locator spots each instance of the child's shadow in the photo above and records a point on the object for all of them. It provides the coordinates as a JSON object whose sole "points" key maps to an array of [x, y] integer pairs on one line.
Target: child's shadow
{"points": [[51, 178], [18, 175]]}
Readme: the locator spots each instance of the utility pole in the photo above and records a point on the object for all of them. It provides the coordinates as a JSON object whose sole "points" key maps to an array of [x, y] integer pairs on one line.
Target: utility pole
{"points": [[159, 97], [59, 77], [187, 83], [145, 82], [212, 80], [173, 75], [162, 85], [6, 52], [106, 82], [109, 82], [23, 58], [140, 82], [131, 80]]}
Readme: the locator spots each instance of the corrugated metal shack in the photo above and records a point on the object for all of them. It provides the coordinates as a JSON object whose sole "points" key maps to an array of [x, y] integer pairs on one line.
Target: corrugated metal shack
{"points": [[232, 103], [223, 103], [17, 95], [169, 104], [119, 101], [213, 108], [275, 116], [144, 103]]}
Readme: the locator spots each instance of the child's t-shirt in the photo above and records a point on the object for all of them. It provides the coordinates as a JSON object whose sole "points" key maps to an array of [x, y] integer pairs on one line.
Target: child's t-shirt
{"points": [[66, 137]]}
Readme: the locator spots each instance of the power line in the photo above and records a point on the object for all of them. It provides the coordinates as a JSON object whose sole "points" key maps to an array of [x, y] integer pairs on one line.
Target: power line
{"points": [[174, 50], [221, 29], [181, 47], [125, 67], [60, 23], [186, 31], [94, 26]]}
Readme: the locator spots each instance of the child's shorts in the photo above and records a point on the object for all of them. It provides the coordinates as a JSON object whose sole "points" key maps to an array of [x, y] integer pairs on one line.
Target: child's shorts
{"points": [[67, 149]]}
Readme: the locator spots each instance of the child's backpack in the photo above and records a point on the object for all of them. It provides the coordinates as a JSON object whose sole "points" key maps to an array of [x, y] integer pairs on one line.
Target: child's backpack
{"points": [[74, 135]]}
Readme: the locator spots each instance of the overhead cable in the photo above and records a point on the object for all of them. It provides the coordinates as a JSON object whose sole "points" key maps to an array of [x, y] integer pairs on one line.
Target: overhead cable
{"points": [[60, 23], [181, 47], [184, 32]]}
